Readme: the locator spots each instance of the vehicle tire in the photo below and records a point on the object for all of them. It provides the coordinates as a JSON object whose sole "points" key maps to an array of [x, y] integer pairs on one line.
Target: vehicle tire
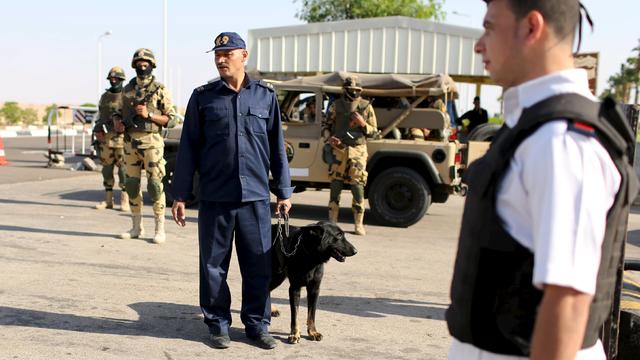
{"points": [[484, 132], [399, 197]]}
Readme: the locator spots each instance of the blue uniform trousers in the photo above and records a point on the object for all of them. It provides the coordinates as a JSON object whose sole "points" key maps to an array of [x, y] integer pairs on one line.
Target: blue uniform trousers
{"points": [[250, 222]]}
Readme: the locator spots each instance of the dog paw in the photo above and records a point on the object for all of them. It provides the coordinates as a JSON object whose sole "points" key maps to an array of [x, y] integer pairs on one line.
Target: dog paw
{"points": [[275, 312], [315, 335], [293, 338]]}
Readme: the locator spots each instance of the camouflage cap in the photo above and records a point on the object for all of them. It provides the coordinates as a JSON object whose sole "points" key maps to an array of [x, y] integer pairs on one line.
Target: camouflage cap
{"points": [[117, 72], [228, 41], [143, 54], [352, 82]]}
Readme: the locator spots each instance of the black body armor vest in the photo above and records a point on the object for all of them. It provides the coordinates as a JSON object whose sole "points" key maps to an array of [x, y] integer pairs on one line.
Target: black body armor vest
{"points": [[493, 302]]}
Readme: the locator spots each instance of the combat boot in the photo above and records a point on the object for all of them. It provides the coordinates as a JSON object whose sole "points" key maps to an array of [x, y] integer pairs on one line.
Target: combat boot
{"points": [[136, 231], [108, 201], [124, 202], [160, 236], [334, 209], [358, 220]]}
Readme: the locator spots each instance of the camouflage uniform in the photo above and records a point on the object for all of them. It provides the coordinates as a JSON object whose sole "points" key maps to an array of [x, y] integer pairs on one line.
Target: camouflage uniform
{"points": [[349, 161], [111, 149], [144, 145]]}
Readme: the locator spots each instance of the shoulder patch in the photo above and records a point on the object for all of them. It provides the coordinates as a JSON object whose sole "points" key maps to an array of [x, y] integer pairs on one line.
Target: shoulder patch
{"points": [[204, 87], [266, 85]]}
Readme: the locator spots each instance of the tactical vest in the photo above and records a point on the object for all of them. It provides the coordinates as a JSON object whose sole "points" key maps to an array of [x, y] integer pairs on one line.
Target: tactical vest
{"points": [[350, 136], [135, 95], [493, 302], [110, 104]]}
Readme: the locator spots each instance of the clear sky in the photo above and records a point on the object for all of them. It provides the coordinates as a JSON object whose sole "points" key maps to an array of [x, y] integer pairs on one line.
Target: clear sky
{"points": [[48, 49]]}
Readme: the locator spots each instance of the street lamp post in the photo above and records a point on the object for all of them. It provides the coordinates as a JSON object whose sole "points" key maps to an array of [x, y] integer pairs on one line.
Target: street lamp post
{"points": [[165, 65], [99, 78]]}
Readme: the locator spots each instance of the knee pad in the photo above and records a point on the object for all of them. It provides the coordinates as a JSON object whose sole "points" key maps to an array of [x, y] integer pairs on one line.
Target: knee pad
{"points": [[133, 187], [155, 188], [358, 193], [107, 172], [336, 188]]}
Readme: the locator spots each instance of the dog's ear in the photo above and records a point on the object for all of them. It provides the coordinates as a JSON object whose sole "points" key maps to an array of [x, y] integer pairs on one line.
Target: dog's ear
{"points": [[316, 230]]}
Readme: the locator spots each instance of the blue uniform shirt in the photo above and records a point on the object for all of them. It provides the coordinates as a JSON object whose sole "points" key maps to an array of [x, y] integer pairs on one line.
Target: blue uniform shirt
{"points": [[232, 139]]}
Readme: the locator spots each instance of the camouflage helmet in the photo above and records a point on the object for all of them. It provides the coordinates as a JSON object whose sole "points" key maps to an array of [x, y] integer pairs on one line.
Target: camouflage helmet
{"points": [[352, 83], [116, 72], [143, 54]]}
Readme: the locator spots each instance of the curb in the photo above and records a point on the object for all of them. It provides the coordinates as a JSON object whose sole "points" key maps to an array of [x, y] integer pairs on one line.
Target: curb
{"points": [[42, 132]]}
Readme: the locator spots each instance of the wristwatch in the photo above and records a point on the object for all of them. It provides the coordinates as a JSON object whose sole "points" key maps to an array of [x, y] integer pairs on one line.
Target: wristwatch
{"points": [[150, 116]]}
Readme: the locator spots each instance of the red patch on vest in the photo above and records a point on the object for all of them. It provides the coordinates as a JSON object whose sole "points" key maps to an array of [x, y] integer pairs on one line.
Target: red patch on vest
{"points": [[584, 127]]}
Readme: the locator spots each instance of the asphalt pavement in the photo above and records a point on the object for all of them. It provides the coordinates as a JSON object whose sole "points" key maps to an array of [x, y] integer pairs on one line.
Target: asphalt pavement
{"points": [[72, 290]]}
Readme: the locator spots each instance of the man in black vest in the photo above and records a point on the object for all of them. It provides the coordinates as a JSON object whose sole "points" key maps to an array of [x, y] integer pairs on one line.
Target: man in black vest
{"points": [[544, 220], [476, 116]]}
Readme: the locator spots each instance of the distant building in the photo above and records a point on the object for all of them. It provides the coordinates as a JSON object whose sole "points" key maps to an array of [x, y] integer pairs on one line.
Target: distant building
{"points": [[395, 44]]}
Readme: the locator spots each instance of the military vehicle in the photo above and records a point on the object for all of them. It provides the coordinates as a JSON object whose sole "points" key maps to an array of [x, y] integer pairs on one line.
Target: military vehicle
{"points": [[405, 175]]}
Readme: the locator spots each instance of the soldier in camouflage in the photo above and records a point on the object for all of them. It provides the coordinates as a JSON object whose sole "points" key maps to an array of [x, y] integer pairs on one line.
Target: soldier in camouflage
{"points": [[146, 109], [349, 122], [110, 142]]}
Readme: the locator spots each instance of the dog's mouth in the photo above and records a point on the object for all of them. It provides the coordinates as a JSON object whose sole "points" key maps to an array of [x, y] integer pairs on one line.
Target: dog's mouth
{"points": [[336, 254]]}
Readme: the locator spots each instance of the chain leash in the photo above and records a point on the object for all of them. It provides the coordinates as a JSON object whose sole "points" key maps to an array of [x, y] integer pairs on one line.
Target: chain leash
{"points": [[283, 222]]}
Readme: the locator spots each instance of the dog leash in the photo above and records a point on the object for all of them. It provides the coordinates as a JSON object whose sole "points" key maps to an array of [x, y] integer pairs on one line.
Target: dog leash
{"points": [[283, 221]]}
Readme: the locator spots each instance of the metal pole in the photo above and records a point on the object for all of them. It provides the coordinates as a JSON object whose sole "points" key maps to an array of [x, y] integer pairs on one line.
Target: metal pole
{"points": [[99, 68], [99, 72], [165, 64]]}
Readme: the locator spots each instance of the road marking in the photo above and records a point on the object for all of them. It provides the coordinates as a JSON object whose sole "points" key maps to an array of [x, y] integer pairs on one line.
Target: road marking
{"points": [[34, 152]]}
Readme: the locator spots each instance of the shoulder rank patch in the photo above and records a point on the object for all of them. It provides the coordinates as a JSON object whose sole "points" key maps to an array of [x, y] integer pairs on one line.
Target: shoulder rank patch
{"points": [[266, 85], [204, 87], [582, 128]]}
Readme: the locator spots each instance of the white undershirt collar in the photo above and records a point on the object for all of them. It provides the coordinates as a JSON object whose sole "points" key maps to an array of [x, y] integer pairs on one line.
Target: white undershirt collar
{"points": [[528, 93]]}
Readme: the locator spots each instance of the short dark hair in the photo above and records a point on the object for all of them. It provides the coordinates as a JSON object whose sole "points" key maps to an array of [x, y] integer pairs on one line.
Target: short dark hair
{"points": [[561, 15], [477, 98]]}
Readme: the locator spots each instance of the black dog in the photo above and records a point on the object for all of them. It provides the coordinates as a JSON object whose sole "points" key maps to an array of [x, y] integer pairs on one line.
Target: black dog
{"points": [[301, 257]]}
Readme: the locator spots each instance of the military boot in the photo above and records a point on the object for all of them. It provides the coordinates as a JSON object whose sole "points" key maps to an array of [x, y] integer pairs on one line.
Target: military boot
{"points": [[358, 220], [160, 236], [137, 230], [108, 201], [124, 202], [334, 209]]}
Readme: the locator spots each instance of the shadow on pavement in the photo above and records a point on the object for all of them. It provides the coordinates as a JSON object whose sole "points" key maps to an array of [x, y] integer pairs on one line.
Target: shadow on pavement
{"points": [[321, 213], [179, 321], [633, 237], [97, 195], [28, 202], [50, 231], [374, 307], [161, 320]]}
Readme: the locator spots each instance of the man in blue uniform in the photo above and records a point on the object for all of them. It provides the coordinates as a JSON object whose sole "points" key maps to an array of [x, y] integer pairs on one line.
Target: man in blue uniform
{"points": [[233, 137]]}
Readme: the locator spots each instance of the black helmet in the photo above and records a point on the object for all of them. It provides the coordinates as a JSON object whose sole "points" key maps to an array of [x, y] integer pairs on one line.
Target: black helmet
{"points": [[143, 54]]}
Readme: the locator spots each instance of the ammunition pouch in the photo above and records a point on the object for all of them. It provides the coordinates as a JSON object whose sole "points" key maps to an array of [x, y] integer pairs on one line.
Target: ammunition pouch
{"points": [[141, 124]]}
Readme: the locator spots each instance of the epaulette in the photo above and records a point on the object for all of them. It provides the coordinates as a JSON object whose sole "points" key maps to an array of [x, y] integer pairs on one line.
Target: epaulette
{"points": [[204, 87], [266, 85]]}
